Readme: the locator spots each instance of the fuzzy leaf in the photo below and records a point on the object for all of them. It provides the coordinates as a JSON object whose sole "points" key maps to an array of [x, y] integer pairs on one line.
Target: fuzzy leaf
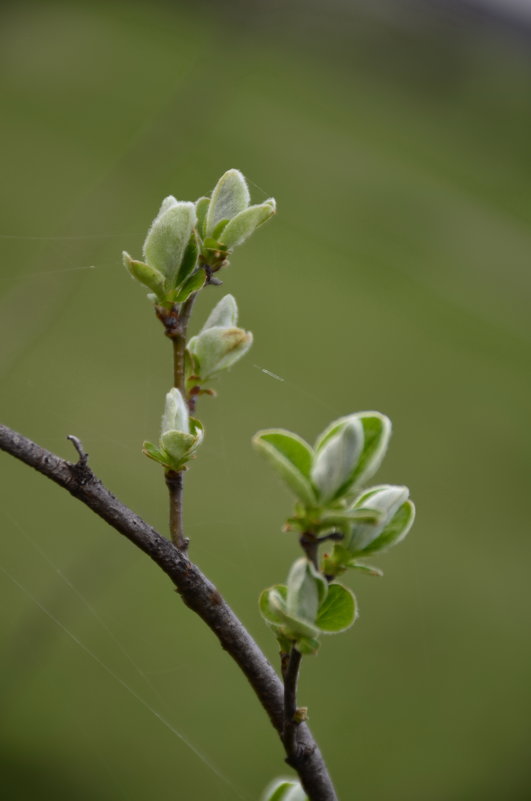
{"points": [[175, 417], [307, 590], [148, 449], [224, 314], [244, 224], [146, 275], [218, 348], [395, 531], [168, 238], [338, 610], [336, 459], [230, 196], [292, 627], [269, 611], [291, 457], [178, 446], [387, 500]]}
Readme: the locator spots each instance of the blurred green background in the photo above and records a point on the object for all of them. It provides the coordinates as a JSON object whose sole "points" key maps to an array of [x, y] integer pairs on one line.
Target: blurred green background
{"points": [[395, 137]]}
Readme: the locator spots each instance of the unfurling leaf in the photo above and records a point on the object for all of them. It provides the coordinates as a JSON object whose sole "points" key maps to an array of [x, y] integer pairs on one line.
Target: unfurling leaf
{"points": [[180, 434], [336, 458], [150, 277], [385, 499], [284, 790], [230, 196], [217, 349], [338, 611], [291, 457], [245, 223], [168, 238]]}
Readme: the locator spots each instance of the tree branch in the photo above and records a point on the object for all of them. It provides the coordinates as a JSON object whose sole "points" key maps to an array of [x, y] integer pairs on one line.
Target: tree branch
{"points": [[291, 724], [197, 592]]}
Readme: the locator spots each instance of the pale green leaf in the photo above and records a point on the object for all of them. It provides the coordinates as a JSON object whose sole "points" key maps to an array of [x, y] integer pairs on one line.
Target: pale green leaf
{"points": [[224, 314], [307, 590], [377, 432], [178, 446], [284, 790], [217, 349], [168, 238], [244, 224], [336, 459], [385, 499], [395, 531], [201, 209], [150, 277], [175, 416], [291, 457], [230, 196]]}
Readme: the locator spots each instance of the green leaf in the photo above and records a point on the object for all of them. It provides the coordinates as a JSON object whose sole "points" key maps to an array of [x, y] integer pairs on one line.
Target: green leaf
{"points": [[277, 791], [344, 517], [150, 450], [269, 611], [168, 238], [371, 570], [244, 224], [307, 646], [336, 458], [192, 284], [338, 611], [217, 349], [284, 790], [386, 499], [201, 209], [224, 314], [273, 609], [188, 262], [292, 459], [395, 531], [377, 432], [146, 275], [230, 196], [179, 446], [307, 590], [216, 233]]}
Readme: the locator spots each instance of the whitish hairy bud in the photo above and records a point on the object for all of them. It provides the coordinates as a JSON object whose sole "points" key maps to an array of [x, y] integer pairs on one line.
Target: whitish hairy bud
{"points": [[220, 343], [176, 416], [180, 435]]}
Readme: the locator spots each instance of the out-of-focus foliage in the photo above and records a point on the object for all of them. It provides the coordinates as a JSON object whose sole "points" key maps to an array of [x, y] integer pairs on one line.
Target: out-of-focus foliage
{"points": [[395, 138]]}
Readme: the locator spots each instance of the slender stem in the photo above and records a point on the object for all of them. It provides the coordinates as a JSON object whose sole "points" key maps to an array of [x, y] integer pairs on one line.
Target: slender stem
{"points": [[291, 724], [197, 592], [174, 482], [175, 322], [310, 545]]}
